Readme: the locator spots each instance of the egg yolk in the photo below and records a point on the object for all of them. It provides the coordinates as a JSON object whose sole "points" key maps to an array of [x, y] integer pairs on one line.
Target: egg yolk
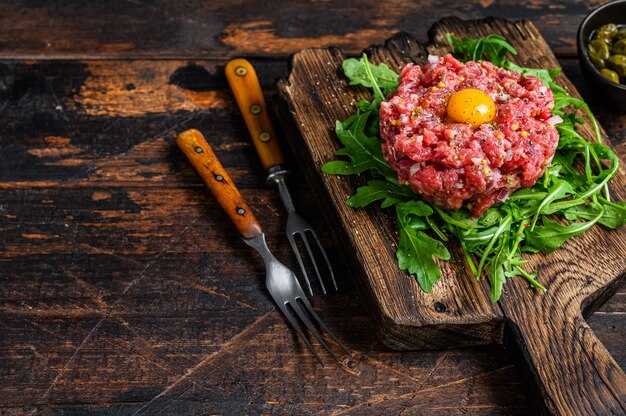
{"points": [[471, 106]]}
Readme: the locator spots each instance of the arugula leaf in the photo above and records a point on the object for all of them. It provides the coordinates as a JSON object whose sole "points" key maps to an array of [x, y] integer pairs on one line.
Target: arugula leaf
{"points": [[497, 273], [363, 151], [563, 99], [551, 235], [416, 250], [490, 217], [492, 48], [376, 190], [414, 207], [614, 214], [475, 238], [543, 74], [361, 72], [558, 190], [457, 219], [503, 227]]}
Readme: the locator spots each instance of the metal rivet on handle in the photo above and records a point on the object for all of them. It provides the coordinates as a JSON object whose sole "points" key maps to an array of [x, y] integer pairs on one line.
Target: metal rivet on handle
{"points": [[264, 136], [241, 71], [255, 109], [241, 211], [198, 149]]}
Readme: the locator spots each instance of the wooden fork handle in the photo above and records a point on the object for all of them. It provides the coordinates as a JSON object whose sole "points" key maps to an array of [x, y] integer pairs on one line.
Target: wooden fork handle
{"points": [[215, 177], [245, 85]]}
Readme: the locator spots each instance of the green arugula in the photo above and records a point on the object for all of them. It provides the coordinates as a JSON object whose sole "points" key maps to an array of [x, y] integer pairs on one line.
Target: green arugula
{"points": [[415, 248], [362, 148], [564, 203], [375, 190], [379, 78]]}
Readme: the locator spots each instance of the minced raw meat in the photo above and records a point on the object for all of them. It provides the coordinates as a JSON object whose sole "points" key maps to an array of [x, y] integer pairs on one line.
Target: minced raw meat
{"points": [[449, 163]]}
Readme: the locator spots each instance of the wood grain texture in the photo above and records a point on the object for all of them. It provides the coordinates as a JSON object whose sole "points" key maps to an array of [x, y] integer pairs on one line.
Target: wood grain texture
{"points": [[570, 367], [162, 29], [122, 285]]}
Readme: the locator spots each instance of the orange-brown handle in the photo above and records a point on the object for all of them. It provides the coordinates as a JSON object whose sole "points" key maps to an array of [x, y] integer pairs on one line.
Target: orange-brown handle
{"points": [[247, 91], [215, 177]]}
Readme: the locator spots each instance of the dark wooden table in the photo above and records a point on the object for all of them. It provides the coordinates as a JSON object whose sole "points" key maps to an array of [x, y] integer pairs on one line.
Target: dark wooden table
{"points": [[124, 290]]}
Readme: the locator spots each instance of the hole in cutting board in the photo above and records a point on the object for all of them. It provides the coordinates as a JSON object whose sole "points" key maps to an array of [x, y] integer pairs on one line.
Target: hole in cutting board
{"points": [[440, 307]]}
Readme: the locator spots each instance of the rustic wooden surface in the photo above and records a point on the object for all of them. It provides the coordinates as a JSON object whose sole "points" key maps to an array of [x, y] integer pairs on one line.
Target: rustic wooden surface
{"points": [[572, 371], [123, 288]]}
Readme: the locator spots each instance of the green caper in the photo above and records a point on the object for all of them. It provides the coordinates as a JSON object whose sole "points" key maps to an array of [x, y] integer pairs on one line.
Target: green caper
{"points": [[606, 32], [610, 75], [598, 63], [598, 50], [619, 47], [621, 34], [618, 64]]}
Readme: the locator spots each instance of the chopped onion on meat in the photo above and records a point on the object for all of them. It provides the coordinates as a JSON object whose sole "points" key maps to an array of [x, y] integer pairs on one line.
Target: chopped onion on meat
{"points": [[433, 59], [556, 119]]}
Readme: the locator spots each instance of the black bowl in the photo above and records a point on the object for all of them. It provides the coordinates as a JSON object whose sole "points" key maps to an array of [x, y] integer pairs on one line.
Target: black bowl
{"points": [[614, 12]]}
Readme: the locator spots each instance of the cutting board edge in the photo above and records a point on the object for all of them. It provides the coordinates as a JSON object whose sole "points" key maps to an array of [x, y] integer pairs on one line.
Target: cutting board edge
{"points": [[407, 337], [599, 297]]}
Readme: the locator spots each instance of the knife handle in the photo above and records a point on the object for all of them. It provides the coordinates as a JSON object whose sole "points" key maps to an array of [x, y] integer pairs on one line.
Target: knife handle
{"points": [[245, 85], [215, 177]]}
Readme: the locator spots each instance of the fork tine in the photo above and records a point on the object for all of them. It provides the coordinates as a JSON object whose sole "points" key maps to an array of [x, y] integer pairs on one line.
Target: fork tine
{"points": [[307, 322], [319, 244], [308, 249], [294, 324], [294, 248], [321, 323]]}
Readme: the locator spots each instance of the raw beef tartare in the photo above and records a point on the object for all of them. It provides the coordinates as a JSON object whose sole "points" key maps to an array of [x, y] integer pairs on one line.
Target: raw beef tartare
{"points": [[468, 132]]}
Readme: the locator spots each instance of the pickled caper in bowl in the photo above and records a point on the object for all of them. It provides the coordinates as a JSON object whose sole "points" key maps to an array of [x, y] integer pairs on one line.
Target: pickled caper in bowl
{"points": [[610, 75], [601, 31], [606, 32], [618, 64], [599, 52], [621, 34], [607, 51], [619, 47]]}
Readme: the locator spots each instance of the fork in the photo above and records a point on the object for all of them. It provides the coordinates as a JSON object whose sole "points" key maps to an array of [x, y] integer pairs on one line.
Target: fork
{"points": [[280, 281], [245, 85]]}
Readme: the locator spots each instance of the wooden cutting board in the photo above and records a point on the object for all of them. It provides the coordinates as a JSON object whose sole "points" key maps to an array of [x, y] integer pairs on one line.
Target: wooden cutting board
{"points": [[570, 369]]}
